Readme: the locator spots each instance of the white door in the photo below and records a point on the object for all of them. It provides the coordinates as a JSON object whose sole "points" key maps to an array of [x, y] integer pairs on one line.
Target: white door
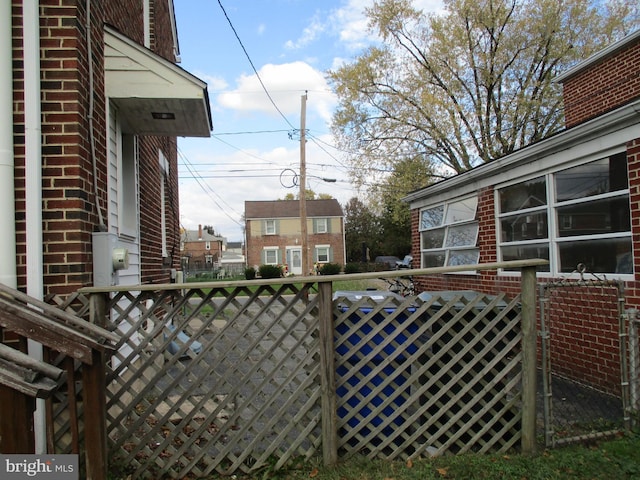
{"points": [[294, 258]]}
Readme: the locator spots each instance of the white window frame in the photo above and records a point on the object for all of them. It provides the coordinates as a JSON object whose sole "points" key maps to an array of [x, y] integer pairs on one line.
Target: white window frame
{"points": [[270, 227], [322, 225], [267, 252], [448, 223], [327, 249], [164, 178], [554, 240], [127, 184]]}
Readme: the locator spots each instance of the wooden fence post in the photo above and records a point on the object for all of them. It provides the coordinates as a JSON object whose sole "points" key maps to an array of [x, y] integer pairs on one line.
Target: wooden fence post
{"points": [[95, 398], [327, 375], [529, 360]]}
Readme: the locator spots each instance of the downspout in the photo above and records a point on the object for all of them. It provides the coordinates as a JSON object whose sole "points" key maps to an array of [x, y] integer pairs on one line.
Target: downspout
{"points": [[33, 180], [8, 274]]}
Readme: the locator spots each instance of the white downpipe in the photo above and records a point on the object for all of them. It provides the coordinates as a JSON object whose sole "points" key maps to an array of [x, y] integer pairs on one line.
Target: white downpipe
{"points": [[33, 180], [8, 274]]}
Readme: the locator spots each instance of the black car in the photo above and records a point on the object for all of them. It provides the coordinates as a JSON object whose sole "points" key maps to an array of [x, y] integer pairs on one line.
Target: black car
{"points": [[387, 262]]}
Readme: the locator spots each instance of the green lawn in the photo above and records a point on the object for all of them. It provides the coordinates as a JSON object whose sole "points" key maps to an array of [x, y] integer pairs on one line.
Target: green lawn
{"points": [[617, 459]]}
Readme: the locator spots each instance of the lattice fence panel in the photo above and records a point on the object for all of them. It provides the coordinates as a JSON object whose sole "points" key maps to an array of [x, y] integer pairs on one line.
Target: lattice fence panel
{"points": [[220, 380], [428, 376], [226, 379]]}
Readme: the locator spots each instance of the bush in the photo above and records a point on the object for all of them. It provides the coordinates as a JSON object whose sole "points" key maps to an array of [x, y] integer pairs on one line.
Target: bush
{"points": [[329, 269], [250, 273], [270, 271], [354, 267]]}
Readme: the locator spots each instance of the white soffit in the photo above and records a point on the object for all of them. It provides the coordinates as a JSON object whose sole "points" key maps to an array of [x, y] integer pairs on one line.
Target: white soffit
{"points": [[155, 96]]}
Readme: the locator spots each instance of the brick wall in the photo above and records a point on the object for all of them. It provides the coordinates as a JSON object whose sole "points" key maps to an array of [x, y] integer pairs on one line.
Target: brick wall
{"points": [[585, 322], [600, 88], [69, 200], [256, 244]]}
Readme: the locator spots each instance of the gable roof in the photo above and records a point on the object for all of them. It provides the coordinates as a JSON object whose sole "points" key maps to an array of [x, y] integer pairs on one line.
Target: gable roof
{"points": [[291, 209]]}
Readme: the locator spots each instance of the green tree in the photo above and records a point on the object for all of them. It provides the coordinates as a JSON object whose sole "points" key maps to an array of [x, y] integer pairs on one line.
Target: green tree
{"points": [[362, 230], [467, 86]]}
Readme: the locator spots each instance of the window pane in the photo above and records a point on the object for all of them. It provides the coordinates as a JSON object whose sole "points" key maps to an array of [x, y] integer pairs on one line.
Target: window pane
{"points": [[462, 235], [529, 194], [595, 178], [433, 238], [591, 218], [432, 217], [433, 259], [463, 257], [524, 227], [461, 211], [599, 256], [523, 252]]}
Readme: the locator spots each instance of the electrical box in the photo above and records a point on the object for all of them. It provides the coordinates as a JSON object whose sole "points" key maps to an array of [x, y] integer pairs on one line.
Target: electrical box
{"points": [[108, 258]]}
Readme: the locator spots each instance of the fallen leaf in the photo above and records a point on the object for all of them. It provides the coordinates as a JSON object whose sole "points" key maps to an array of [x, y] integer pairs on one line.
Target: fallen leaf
{"points": [[314, 473], [442, 472], [409, 463]]}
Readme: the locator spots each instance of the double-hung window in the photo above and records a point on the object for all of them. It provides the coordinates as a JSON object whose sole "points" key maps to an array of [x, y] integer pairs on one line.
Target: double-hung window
{"points": [[449, 233], [578, 215]]}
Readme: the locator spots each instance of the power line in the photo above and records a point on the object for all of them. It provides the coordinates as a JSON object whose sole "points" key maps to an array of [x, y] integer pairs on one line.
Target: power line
{"points": [[253, 67]]}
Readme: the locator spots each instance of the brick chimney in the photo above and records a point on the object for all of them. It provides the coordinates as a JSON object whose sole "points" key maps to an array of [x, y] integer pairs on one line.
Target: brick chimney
{"points": [[199, 232]]}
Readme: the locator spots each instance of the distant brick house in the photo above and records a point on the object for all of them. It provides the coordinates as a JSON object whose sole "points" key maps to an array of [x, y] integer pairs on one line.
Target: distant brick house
{"points": [[571, 198], [200, 250], [273, 233], [95, 102]]}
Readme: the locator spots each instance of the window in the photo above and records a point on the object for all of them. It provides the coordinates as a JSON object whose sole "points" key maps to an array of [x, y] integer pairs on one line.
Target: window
{"points": [[128, 187], [320, 225], [269, 227], [449, 233], [323, 253], [576, 215], [164, 175], [270, 256], [207, 245]]}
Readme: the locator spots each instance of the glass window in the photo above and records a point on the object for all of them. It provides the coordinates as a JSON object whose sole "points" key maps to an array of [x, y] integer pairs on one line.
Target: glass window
{"points": [[529, 194], [432, 217], [322, 254], [271, 256], [587, 222], [595, 178], [449, 234], [269, 227], [321, 225]]}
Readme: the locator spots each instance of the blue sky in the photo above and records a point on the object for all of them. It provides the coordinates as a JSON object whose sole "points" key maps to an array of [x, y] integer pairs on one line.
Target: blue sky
{"points": [[291, 43]]}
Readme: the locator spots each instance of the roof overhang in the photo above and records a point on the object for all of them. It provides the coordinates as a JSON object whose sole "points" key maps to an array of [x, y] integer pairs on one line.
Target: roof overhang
{"points": [[614, 128], [155, 96]]}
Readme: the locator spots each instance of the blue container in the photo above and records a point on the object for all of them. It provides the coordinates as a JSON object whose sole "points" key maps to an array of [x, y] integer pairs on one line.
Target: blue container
{"points": [[355, 349]]}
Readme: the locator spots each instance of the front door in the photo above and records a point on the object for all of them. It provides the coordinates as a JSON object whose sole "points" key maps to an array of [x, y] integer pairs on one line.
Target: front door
{"points": [[294, 259]]}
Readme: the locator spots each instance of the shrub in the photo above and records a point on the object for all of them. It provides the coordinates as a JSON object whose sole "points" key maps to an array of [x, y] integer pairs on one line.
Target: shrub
{"points": [[270, 271], [250, 273], [353, 267], [329, 269]]}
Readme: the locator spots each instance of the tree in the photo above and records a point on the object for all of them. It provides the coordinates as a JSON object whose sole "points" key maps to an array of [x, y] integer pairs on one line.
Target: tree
{"points": [[468, 86], [362, 229]]}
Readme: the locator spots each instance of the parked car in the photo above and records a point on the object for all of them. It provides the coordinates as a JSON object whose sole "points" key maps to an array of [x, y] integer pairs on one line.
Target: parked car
{"points": [[387, 262]]}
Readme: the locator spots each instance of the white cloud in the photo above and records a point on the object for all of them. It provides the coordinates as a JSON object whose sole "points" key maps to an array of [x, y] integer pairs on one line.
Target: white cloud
{"points": [[285, 84]]}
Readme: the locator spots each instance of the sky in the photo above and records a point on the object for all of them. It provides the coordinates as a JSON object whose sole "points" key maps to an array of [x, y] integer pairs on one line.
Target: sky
{"points": [[254, 149]]}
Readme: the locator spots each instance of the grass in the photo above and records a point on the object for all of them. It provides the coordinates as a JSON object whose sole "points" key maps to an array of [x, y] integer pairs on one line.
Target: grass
{"points": [[617, 459]]}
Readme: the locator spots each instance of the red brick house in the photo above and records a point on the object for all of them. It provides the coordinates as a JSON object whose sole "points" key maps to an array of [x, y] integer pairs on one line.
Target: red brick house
{"points": [[571, 198], [273, 233], [95, 106], [200, 250]]}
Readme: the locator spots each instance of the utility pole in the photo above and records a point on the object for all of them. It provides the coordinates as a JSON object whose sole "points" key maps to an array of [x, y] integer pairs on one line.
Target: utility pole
{"points": [[303, 186]]}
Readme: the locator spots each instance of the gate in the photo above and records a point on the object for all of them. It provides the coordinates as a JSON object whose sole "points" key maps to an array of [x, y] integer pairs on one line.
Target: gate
{"points": [[584, 340]]}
